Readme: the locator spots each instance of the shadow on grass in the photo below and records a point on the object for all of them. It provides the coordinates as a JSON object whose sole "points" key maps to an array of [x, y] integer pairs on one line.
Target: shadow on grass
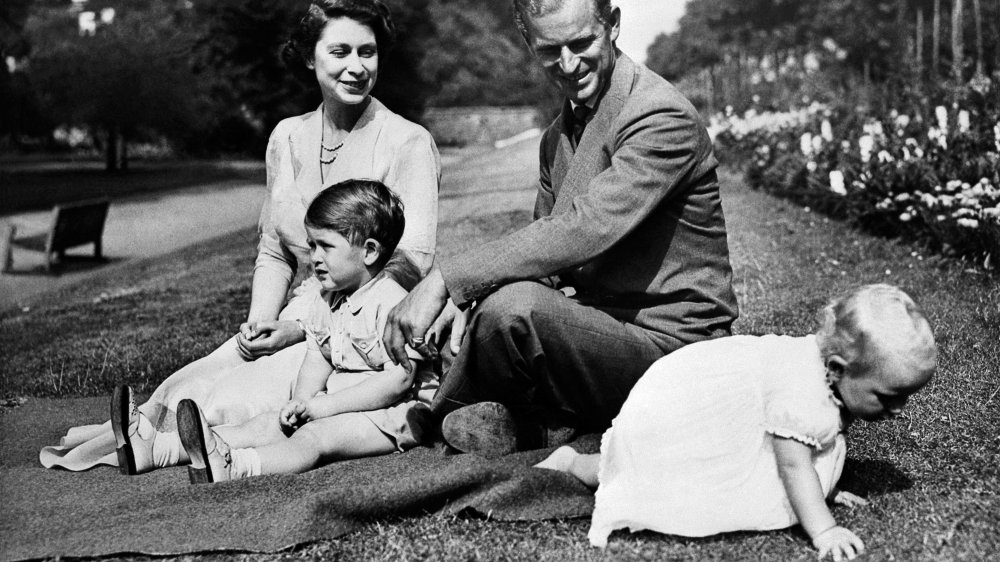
{"points": [[65, 265], [873, 477]]}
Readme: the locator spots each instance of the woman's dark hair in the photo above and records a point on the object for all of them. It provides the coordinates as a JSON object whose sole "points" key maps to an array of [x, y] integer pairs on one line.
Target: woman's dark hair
{"points": [[298, 50], [359, 210]]}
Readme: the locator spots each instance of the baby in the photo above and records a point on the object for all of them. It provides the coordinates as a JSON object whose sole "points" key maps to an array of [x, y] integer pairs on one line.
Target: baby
{"points": [[746, 433]]}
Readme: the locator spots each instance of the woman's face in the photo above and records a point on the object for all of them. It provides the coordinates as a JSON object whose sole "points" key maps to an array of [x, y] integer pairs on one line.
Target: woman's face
{"points": [[346, 61]]}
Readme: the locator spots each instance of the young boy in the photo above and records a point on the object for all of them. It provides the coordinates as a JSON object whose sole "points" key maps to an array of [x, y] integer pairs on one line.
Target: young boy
{"points": [[349, 400]]}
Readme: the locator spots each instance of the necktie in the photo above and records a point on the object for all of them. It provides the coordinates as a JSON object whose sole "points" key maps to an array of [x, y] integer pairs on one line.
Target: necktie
{"points": [[580, 114]]}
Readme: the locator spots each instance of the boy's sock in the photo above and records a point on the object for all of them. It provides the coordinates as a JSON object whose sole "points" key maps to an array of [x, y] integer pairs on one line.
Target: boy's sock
{"points": [[246, 462], [167, 449]]}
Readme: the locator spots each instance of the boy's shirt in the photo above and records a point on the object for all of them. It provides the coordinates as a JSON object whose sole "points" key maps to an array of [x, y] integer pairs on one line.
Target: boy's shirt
{"points": [[350, 336]]}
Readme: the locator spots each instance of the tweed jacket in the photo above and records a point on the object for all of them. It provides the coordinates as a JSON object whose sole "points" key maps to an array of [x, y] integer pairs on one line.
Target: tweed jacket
{"points": [[381, 146], [632, 219]]}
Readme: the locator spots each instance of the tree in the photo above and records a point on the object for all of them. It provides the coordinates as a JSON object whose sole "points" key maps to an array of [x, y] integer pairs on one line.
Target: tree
{"points": [[131, 77], [238, 55], [477, 57], [19, 113]]}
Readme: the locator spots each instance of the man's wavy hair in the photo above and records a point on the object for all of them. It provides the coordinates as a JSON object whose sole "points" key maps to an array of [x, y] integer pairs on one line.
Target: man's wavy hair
{"points": [[297, 53], [526, 9], [359, 210]]}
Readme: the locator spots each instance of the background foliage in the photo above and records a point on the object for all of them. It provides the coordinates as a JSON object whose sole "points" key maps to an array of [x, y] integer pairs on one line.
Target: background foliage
{"points": [[206, 75]]}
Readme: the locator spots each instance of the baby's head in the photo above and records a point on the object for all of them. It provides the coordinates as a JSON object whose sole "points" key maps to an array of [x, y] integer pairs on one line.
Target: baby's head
{"points": [[879, 349], [353, 228]]}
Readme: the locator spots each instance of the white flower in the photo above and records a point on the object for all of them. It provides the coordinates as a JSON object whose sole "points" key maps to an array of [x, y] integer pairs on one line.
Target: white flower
{"points": [[837, 182], [906, 154], [996, 135], [963, 121], [906, 217], [806, 143], [884, 156], [817, 143], [968, 223], [902, 121], [826, 130], [902, 197], [866, 143], [942, 117], [936, 134], [811, 166]]}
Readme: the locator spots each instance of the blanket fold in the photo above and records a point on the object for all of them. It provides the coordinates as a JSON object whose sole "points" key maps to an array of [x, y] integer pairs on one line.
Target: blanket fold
{"points": [[49, 513]]}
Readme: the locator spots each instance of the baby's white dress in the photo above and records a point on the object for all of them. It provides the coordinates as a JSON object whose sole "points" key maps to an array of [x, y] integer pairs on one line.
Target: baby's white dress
{"points": [[691, 451]]}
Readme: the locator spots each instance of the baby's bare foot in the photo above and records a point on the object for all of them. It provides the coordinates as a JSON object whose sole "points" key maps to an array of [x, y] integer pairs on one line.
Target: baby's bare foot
{"points": [[561, 459]]}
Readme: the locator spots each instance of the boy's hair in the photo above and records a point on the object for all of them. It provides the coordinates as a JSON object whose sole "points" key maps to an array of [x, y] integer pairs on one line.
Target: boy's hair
{"points": [[359, 210], [875, 323]]}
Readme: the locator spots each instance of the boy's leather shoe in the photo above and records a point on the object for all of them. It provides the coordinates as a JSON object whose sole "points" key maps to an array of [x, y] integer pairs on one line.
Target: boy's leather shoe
{"points": [[210, 458], [135, 453]]}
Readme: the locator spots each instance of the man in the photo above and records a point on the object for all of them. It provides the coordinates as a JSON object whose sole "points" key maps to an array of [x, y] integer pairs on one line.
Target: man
{"points": [[628, 221]]}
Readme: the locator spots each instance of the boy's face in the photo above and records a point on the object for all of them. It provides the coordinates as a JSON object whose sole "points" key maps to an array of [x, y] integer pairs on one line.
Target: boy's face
{"points": [[880, 391], [339, 265]]}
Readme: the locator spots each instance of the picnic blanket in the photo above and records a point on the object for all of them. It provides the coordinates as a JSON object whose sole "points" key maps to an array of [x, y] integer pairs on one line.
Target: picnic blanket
{"points": [[49, 513]]}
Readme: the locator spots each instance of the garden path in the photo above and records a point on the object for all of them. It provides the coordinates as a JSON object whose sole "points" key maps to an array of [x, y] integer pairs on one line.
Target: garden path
{"points": [[149, 226]]}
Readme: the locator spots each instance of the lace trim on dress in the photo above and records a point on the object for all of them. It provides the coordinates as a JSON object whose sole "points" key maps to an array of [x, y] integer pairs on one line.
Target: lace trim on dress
{"points": [[804, 439]]}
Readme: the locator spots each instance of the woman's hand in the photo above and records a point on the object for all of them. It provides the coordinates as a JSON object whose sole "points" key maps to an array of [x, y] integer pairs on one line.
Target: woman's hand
{"points": [[839, 542], [293, 415], [257, 339]]}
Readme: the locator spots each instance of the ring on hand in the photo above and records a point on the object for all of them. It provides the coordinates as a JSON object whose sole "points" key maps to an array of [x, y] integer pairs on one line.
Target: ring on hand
{"points": [[416, 341]]}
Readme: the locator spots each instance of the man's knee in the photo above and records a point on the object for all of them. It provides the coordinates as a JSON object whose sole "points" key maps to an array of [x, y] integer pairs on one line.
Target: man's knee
{"points": [[513, 305]]}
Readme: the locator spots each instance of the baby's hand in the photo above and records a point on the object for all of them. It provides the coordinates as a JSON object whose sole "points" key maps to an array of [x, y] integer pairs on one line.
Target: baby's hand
{"points": [[292, 415], [848, 499], [839, 542]]}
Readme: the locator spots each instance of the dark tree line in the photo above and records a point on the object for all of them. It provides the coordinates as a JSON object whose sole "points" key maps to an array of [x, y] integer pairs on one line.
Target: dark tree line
{"points": [[206, 73], [899, 48]]}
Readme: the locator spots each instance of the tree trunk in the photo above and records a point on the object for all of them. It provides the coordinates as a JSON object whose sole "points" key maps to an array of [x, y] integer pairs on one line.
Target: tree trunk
{"points": [[111, 148], [978, 13], [115, 154], [123, 152], [920, 44], [936, 40], [957, 40]]}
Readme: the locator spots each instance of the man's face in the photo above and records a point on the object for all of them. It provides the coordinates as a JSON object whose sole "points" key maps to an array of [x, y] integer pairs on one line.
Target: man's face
{"points": [[575, 49]]}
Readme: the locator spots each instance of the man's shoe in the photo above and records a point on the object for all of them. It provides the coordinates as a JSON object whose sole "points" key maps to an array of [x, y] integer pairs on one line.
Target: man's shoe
{"points": [[135, 453], [210, 458], [486, 429]]}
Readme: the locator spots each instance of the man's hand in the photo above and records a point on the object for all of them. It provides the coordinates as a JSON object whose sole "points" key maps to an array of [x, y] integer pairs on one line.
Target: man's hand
{"points": [[410, 320], [292, 416], [453, 321], [257, 339], [840, 542]]}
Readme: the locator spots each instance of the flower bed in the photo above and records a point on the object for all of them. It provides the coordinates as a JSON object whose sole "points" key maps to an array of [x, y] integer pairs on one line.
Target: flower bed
{"points": [[933, 180]]}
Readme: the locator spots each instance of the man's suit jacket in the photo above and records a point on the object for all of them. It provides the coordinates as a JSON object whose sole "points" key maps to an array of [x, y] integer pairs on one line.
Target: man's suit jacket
{"points": [[632, 218]]}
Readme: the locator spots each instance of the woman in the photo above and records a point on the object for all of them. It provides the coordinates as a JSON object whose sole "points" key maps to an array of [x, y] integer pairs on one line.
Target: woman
{"points": [[351, 135]]}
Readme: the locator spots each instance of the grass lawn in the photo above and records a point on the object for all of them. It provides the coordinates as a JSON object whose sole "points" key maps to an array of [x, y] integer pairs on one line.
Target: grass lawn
{"points": [[932, 475]]}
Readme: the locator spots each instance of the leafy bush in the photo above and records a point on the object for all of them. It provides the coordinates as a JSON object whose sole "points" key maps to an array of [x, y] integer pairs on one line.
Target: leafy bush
{"points": [[934, 179]]}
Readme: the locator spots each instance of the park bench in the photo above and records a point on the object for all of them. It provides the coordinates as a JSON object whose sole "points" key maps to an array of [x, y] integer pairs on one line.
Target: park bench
{"points": [[72, 224]]}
